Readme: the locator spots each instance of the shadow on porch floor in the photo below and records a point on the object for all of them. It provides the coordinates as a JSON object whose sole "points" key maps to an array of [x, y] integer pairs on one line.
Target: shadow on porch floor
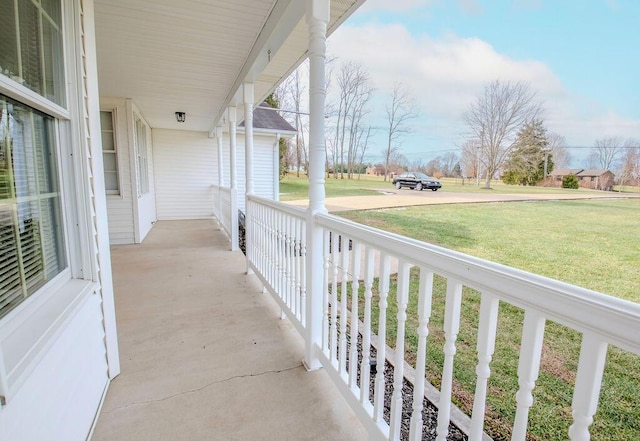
{"points": [[204, 354]]}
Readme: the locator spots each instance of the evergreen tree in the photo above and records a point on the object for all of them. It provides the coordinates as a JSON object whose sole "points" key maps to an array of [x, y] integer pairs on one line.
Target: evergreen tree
{"points": [[526, 162]]}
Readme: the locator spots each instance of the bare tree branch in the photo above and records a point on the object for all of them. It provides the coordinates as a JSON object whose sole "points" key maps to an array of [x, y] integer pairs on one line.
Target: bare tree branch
{"points": [[607, 150], [399, 112], [495, 117]]}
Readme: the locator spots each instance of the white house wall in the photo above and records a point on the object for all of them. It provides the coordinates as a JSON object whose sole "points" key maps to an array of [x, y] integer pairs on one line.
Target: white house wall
{"points": [[58, 348], [120, 206], [263, 165], [60, 398], [185, 171]]}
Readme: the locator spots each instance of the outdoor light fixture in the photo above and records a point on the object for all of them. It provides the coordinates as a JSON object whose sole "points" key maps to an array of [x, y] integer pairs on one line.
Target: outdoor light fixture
{"points": [[180, 116]]}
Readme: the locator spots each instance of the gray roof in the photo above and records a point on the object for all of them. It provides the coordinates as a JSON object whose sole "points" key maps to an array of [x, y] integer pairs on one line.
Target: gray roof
{"points": [[266, 119], [592, 172], [565, 171]]}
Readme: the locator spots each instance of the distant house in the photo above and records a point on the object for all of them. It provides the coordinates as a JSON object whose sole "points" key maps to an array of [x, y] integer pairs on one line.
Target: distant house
{"points": [[593, 178], [596, 179]]}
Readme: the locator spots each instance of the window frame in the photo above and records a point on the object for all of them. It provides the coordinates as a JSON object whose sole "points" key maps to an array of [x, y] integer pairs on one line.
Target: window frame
{"points": [[141, 142], [114, 133]]}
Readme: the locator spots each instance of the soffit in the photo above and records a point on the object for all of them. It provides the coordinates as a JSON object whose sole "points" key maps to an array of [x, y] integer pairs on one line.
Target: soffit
{"points": [[191, 55]]}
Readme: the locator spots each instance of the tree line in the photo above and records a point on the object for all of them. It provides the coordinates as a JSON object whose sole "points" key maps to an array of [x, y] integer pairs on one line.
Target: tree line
{"points": [[506, 137]]}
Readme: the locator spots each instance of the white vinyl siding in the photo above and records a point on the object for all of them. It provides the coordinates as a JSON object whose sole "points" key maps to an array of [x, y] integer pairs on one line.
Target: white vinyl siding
{"points": [[58, 346], [60, 398], [185, 170], [262, 165]]}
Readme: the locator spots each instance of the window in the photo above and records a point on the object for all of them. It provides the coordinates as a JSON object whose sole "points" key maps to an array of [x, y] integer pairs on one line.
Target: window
{"points": [[109, 154], [141, 157], [31, 46], [31, 235]]}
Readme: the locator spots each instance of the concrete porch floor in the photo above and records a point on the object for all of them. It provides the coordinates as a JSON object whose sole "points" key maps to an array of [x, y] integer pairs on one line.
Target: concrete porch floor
{"points": [[204, 354]]}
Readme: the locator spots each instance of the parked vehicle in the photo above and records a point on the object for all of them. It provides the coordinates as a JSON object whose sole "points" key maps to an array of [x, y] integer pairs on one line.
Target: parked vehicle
{"points": [[416, 180]]}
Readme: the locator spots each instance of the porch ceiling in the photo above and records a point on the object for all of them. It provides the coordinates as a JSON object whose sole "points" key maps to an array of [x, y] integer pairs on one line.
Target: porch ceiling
{"points": [[193, 55]]}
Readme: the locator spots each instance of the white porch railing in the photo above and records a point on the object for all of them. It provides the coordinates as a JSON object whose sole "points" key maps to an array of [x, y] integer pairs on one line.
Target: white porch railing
{"points": [[277, 252], [354, 254], [222, 207]]}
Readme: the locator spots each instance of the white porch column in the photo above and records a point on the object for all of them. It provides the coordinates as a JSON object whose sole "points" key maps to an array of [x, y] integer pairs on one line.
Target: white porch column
{"points": [[248, 135], [231, 111], [247, 92], [317, 19], [220, 172]]}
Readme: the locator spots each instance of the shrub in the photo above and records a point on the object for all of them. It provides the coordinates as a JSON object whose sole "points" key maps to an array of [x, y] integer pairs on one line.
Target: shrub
{"points": [[570, 181]]}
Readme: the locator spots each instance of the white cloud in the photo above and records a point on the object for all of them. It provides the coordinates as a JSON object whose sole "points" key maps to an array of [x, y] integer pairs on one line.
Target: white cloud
{"points": [[448, 73]]}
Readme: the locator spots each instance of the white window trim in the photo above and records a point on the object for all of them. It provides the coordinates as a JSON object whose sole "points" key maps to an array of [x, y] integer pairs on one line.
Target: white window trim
{"points": [[27, 331], [116, 152]]}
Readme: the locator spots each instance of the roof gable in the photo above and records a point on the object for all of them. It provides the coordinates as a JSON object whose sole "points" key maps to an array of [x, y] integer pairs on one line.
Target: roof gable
{"points": [[266, 117]]}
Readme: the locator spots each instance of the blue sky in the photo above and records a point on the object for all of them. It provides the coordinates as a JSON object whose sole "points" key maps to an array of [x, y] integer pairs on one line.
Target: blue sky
{"points": [[582, 57]]}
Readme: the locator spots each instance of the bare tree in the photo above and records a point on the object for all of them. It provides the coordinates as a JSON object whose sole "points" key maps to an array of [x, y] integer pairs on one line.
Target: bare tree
{"points": [[290, 94], [607, 150], [630, 170], [448, 162], [354, 92], [399, 112], [495, 118], [469, 158], [363, 145], [558, 148]]}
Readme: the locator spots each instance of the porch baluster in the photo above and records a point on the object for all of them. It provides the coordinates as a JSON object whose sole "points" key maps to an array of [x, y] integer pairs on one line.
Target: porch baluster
{"points": [[365, 367], [355, 277], [303, 272], [528, 369], [271, 250], [383, 285], [326, 264], [291, 287], [593, 354], [402, 296], [297, 258], [425, 294], [343, 249], [451, 328], [335, 257], [485, 347], [281, 261]]}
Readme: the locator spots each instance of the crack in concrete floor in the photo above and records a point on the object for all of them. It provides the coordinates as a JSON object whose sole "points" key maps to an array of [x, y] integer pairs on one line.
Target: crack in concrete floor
{"points": [[213, 383]]}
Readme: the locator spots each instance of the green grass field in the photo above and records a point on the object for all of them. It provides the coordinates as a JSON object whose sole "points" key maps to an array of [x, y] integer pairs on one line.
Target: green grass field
{"points": [[589, 243]]}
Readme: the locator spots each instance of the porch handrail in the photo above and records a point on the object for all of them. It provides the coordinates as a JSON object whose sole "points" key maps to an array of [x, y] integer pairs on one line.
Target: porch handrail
{"points": [[354, 255], [573, 306]]}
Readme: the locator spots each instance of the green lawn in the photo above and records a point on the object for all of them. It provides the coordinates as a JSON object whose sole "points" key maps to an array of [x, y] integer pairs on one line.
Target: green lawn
{"points": [[589, 243], [293, 188]]}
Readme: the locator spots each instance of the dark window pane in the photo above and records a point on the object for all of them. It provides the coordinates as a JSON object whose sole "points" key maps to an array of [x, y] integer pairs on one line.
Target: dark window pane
{"points": [[30, 49], [8, 40], [31, 232]]}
